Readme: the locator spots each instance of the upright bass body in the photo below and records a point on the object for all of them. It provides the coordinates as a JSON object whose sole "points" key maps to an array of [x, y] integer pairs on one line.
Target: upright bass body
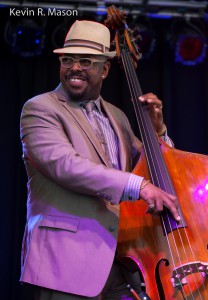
{"points": [[172, 257], [174, 265]]}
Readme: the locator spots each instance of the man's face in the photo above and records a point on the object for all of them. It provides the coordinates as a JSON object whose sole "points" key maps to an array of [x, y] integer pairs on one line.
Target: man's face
{"points": [[82, 84]]}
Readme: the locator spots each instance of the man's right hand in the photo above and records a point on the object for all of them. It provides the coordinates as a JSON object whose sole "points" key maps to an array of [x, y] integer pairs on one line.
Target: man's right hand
{"points": [[157, 198]]}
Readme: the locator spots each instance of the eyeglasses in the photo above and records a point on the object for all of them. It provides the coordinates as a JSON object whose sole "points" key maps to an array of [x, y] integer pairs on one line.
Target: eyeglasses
{"points": [[84, 63]]}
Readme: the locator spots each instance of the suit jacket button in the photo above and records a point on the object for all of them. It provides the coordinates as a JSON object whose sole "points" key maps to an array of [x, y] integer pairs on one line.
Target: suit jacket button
{"points": [[111, 228]]}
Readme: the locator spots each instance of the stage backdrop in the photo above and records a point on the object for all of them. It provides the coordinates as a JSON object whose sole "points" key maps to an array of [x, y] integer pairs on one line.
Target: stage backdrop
{"points": [[183, 89]]}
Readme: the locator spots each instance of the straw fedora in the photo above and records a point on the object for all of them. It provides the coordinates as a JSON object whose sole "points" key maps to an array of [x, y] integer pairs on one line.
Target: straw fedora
{"points": [[87, 37]]}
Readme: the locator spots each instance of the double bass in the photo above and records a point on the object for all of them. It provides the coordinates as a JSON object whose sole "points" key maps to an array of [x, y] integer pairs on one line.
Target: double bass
{"points": [[172, 257]]}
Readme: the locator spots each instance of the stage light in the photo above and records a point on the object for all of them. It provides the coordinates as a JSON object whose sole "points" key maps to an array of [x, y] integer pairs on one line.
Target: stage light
{"points": [[201, 193], [190, 49], [190, 44], [60, 32], [101, 8], [25, 37]]}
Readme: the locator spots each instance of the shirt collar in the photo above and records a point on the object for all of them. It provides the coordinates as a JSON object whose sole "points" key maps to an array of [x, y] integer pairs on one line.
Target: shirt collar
{"points": [[97, 103]]}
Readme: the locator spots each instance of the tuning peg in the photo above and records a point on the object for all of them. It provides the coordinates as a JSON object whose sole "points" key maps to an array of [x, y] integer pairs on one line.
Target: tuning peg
{"points": [[124, 14]]}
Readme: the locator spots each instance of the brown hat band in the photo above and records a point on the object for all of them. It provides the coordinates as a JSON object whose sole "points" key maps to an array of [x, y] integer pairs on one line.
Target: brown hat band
{"points": [[88, 44]]}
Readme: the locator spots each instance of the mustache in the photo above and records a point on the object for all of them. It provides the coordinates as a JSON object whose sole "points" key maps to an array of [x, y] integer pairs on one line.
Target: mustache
{"points": [[76, 74]]}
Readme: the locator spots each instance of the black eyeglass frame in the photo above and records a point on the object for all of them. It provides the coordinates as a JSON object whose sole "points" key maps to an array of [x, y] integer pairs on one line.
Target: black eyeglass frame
{"points": [[78, 60]]}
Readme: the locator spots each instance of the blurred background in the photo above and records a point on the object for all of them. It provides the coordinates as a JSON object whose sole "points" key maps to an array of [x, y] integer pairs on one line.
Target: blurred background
{"points": [[174, 65]]}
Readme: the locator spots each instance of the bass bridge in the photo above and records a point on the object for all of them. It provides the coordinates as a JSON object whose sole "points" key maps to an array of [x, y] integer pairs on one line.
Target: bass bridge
{"points": [[179, 274]]}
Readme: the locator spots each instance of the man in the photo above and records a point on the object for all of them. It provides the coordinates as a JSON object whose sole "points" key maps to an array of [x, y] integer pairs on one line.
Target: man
{"points": [[78, 163]]}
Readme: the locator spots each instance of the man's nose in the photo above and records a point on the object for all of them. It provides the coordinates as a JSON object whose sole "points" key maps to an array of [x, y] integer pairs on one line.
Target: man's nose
{"points": [[76, 66]]}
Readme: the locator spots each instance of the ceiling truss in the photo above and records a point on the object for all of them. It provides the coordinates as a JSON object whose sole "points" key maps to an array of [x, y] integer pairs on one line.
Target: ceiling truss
{"points": [[159, 8]]}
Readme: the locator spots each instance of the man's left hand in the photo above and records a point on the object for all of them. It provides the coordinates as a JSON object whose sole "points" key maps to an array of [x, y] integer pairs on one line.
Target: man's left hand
{"points": [[155, 110]]}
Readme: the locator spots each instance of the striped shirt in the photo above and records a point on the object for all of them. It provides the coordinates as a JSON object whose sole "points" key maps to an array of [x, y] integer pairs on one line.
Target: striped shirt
{"points": [[109, 135], [131, 190]]}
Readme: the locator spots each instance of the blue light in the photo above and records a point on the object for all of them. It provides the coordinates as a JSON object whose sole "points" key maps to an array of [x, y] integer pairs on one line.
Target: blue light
{"points": [[101, 13], [101, 10], [29, 39], [158, 16]]}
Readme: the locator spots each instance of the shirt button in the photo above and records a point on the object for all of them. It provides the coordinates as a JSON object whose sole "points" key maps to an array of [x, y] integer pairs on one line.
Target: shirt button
{"points": [[111, 228]]}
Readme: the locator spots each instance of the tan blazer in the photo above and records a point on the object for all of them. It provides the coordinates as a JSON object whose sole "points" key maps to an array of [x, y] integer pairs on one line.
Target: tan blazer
{"points": [[71, 232]]}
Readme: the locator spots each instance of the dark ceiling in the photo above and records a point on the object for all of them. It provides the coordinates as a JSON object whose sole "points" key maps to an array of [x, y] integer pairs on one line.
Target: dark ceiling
{"points": [[135, 7]]}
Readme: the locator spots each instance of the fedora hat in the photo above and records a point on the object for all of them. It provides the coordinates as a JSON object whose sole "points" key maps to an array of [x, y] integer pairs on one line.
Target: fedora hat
{"points": [[87, 37]]}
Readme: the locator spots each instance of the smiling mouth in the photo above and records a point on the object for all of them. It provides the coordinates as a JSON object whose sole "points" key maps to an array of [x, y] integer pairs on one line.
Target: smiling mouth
{"points": [[76, 79], [76, 82]]}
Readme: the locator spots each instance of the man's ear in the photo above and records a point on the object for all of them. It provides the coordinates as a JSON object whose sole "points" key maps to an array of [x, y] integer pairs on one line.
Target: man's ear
{"points": [[106, 68]]}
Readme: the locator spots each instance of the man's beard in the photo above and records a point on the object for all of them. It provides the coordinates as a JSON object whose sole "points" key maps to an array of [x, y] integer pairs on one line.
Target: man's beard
{"points": [[76, 97]]}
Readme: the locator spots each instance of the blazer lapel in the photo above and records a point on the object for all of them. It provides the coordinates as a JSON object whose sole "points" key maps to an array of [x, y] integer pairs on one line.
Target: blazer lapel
{"points": [[76, 112]]}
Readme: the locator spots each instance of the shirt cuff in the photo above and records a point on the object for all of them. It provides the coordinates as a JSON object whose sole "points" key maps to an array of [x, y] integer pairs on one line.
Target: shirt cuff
{"points": [[131, 190], [168, 140]]}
